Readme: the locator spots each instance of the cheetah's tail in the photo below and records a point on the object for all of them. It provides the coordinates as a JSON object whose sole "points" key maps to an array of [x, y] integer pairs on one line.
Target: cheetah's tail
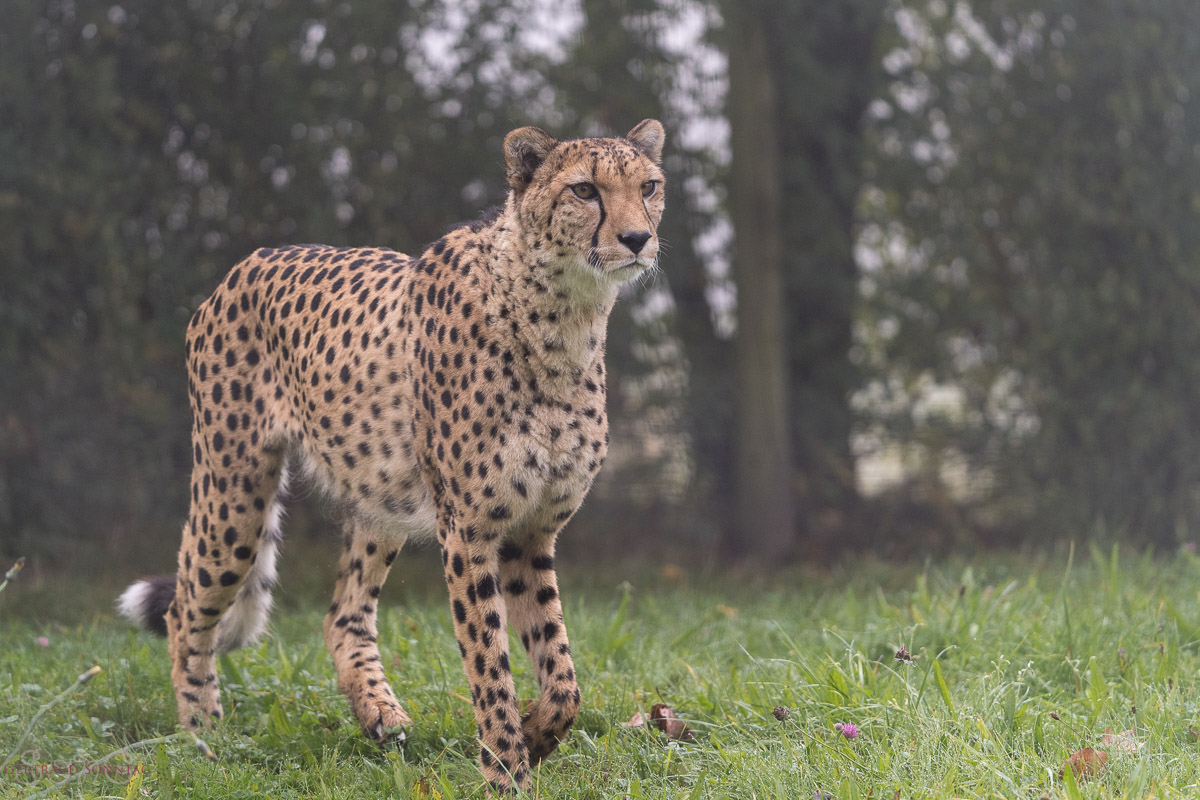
{"points": [[145, 603]]}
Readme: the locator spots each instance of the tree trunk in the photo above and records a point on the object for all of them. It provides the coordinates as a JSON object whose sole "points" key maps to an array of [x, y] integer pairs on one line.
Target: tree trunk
{"points": [[765, 522], [824, 56]]}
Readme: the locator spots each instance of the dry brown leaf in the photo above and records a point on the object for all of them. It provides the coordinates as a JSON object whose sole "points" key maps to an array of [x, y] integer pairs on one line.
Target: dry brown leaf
{"points": [[1086, 763], [669, 722], [1123, 742], [638, 720]]}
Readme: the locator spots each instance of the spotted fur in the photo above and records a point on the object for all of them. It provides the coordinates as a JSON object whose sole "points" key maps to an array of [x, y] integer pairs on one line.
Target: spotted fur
{"points": [[459, 394]]}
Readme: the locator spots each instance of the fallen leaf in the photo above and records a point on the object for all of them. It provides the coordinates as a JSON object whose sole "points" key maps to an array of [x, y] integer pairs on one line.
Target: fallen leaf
{"points": [[638, 720], [669, 722], [1086, 763], [1123, 742]]}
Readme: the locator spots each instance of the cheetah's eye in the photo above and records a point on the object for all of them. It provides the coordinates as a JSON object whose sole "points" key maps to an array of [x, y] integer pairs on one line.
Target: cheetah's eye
{"points": [[585, 191], [649, 188]]}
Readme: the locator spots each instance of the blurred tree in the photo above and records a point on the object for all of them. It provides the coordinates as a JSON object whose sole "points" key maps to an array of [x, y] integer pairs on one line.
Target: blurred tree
{"points": [[1026, 315], [801, 75], [766, 515], [1034, 263], [826, 56]]}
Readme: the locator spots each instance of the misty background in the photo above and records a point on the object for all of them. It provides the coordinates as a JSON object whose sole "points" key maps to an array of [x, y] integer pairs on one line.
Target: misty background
{"points": [[931, 276]]}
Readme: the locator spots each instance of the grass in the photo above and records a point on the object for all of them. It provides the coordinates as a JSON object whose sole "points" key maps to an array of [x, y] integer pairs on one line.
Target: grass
{"points": [[1101, 641]]}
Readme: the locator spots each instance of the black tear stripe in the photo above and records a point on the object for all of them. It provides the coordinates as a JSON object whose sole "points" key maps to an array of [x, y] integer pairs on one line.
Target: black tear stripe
{"points": [[600, 224]]}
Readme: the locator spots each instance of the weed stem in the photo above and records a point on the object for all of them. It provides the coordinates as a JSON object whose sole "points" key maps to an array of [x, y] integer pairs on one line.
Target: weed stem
{"points": [[90, 768], [80, 681]]}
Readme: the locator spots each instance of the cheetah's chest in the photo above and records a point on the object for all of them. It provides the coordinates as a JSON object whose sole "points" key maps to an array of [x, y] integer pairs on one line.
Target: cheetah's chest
{"points": [[524, 465], [555, 453]]}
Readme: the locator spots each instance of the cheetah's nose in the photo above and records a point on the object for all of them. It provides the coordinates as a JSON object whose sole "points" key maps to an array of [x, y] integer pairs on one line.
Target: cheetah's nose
{"points": [[634, 240]]}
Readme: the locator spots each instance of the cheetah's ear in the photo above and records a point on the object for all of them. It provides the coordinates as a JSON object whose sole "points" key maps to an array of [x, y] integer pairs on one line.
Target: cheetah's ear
{"points": [[524, 151], [648, 136]]}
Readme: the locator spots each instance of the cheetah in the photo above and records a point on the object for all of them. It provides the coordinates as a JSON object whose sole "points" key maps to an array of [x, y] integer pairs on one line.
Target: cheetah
{"points": [[458, 396]]}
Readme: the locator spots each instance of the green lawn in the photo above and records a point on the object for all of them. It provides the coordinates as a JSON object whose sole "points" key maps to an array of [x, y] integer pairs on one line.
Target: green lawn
{"points": [[998, 647]]}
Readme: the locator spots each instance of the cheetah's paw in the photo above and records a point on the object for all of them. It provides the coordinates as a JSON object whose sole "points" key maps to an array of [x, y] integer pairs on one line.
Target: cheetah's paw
{"points": [[380, 716]]}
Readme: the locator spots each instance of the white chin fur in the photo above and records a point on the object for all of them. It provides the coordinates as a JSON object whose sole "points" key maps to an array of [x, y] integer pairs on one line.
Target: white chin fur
{"points": [[627, 269]]}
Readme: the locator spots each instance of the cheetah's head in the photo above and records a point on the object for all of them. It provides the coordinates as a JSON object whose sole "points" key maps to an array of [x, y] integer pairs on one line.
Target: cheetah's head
{"points": [[592, 205]]}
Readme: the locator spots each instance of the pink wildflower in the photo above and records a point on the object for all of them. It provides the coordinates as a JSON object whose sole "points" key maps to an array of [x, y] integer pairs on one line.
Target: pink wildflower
{"points": [[847, 729], [44, 641]]}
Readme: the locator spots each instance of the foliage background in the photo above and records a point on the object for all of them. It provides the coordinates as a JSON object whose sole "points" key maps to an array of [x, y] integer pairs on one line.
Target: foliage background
{"points": [[983, 233]]}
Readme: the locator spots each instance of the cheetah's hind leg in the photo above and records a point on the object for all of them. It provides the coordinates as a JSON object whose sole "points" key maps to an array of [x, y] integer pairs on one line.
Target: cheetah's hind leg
{"points": [[351, 633], [226, 574]]}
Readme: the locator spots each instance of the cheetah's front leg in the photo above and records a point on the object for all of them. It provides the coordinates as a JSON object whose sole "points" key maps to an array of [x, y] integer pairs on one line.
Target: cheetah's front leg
{"points": [[472, 575], [531, 589]]}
